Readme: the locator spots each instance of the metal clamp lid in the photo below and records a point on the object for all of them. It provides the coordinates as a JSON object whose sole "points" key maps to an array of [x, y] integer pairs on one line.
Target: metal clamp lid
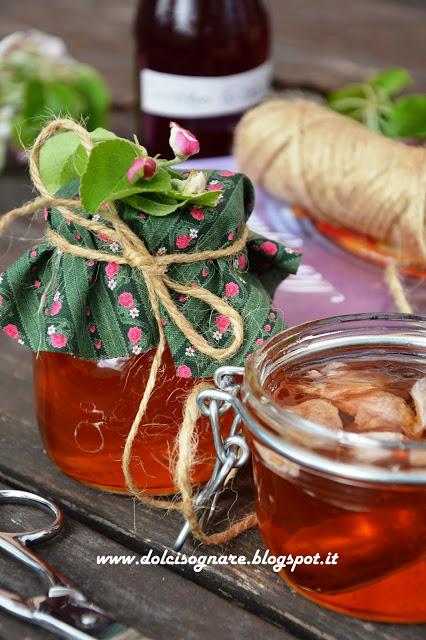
{"points": [[232, 452]]}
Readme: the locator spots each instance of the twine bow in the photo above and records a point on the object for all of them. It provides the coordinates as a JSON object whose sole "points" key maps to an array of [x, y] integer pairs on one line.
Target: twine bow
{"points": [[154, 269]]}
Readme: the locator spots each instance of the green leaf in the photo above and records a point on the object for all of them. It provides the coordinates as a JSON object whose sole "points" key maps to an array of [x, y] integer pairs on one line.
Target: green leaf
{"points": [[207, 198], [56, 160], [157, 204], [100, 134], [176, 175], [154, 204], [391, 81], [408, 118], [160, 182], [41, 101], [62, 100], [95, 93], [63, 158], [48, 92], [347, 99], [105, 178], [28, 122], [350, 91]]}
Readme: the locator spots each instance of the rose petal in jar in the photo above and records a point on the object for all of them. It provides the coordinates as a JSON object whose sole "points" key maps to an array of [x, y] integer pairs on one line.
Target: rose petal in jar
{"points": [[314, 374], [379, 411], [330, 370], [333, 369], [339, 383], [418, 393], [320, 411]]}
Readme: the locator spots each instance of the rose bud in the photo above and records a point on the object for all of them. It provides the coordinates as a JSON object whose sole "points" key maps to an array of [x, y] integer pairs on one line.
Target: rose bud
{"points": [[196, 182], [142, 169], [182, 142]]}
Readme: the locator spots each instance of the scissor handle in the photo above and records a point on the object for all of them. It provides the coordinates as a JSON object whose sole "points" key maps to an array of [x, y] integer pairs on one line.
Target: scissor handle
{"points": [[12, 496]]}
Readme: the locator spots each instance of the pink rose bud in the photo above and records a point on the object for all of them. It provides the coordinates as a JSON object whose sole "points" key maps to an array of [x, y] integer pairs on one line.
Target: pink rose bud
{"points": [[182, 141], [142, 169]]}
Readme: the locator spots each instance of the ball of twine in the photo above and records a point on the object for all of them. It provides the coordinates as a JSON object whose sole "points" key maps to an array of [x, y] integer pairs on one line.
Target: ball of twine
{"points": [[340, 171]]}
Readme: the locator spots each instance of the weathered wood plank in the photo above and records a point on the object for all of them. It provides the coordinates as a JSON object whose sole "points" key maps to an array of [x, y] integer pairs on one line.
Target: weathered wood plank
{"points": [[153, 600], [24, 464], [320, 46]]}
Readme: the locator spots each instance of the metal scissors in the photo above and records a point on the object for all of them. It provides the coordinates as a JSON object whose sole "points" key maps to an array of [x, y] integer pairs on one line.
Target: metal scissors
{"points": [[62, 609]]}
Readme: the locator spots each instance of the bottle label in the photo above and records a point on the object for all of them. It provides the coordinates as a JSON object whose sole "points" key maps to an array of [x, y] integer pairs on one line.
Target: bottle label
{"points": [[171, 95]]}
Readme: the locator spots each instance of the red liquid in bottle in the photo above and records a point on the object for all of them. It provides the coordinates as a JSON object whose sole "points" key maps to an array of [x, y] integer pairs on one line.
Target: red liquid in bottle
{"points": [[201, 63]]}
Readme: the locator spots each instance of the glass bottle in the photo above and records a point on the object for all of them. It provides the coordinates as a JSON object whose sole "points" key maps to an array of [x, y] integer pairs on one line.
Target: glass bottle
{"points": [[201, 63]]}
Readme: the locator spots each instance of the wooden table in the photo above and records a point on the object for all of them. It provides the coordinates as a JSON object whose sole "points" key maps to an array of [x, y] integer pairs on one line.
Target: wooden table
{"points": [[233, 602]]}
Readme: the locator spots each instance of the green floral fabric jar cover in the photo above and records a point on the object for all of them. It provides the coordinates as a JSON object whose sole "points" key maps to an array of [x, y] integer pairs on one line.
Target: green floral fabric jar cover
{"points": [[53, 301]]}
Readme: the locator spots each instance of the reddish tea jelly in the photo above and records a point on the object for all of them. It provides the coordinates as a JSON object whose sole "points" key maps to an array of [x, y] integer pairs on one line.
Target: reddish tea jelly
{"points": [[131, 299], [85, 409], [336, 425]]}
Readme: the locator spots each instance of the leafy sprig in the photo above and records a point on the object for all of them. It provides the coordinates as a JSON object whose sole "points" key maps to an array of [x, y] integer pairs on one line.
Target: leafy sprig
{"points": [[38, 80], [103, 175], [376, 104]]}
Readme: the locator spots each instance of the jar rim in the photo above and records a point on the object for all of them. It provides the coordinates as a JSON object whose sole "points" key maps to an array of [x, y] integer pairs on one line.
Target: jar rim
{"points": [[257, 397]]}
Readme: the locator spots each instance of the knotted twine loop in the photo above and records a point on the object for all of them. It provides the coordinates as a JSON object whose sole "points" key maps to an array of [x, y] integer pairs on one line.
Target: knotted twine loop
{"points": [[136, 255]]}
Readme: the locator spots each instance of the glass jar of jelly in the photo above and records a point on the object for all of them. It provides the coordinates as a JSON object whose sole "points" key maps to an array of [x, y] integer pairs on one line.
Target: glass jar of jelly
{"points": [[350, 506], [85, 409]]}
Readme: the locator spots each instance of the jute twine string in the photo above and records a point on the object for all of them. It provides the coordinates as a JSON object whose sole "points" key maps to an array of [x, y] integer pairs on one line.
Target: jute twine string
{"points": [[342, 173], [158, 284]]}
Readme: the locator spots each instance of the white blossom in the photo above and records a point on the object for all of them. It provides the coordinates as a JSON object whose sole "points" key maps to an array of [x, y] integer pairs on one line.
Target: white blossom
{"points": [[161, 251], [217, 335], [50, 330], [193, 233], [195, 183], [112, 284], [134, 313], [136, 349], [33, 40], [115, 247], [189, 351]]}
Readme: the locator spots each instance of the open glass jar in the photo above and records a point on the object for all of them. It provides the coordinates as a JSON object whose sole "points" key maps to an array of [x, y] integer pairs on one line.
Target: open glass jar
{"points": [[351, 507]]}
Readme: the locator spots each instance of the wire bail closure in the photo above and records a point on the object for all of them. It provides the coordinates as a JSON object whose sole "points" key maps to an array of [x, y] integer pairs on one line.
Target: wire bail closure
{"points": [[232, 452]]}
